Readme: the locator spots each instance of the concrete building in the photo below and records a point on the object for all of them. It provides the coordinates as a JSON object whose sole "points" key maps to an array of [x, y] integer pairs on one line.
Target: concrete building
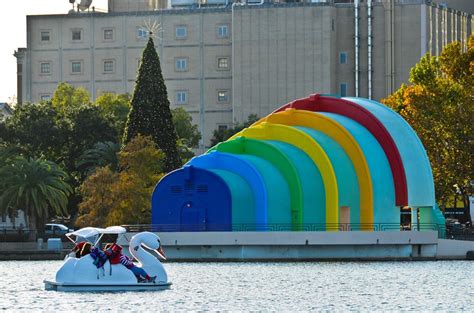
{"points": [[5, 111], [224, 61]]}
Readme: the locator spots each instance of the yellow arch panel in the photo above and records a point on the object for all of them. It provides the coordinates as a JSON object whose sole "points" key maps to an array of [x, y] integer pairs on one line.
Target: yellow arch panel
{"points": [[336, 131], [301, 140]]}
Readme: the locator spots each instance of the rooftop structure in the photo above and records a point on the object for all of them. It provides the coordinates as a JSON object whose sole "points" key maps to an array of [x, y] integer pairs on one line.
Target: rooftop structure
{"points": [[318, 163]]}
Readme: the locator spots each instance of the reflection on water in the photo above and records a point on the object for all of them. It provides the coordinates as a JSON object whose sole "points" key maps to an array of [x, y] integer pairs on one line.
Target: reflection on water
{"points": [[426, 286]]}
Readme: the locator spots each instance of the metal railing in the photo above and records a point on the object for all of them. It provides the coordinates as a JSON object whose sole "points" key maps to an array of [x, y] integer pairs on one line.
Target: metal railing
{"points": [[21, 235], [275, 227], [27, 235]]}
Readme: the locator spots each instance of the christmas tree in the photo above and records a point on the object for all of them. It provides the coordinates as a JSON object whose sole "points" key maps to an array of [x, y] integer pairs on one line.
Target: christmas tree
{"points": [[150, 113]]}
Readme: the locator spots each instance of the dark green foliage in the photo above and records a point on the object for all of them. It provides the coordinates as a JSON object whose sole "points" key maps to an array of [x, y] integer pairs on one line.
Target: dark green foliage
{"points": [[102, 154], [150, 113], [220, 135], [86, 126], [185, 128], [60, 135], [116, 107], [34, 128], [188, 133]]}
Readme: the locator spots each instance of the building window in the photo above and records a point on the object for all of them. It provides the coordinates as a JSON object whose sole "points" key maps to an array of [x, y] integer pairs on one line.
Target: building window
{"points": [[181, 64], [108, 34], [223, 63], [222, 96], [76, 67], [222, 127], [45, 36], [343, 89], [222, 31], [76, 34], [45, 68], [181, 97], [45, 97], [343, 58], [142, 33], [4, 218], [109, 66], [181, 32]]}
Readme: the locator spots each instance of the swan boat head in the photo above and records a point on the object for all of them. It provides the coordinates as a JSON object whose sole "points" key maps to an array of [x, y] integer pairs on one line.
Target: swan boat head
{"points": [[145, 258], [148, 240]]}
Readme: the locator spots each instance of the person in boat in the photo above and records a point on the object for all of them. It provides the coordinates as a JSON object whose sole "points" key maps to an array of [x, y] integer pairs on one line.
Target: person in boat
{"points": [[114, 253], [81, 249]]}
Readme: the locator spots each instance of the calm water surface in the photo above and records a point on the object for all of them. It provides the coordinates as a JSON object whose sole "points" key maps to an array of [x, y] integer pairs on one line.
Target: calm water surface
{"points": [[329, 286]]}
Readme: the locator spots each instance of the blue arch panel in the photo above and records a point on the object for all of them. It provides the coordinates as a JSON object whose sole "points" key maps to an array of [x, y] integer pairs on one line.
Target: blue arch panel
{"points": [[234, 164], [193, 198]]}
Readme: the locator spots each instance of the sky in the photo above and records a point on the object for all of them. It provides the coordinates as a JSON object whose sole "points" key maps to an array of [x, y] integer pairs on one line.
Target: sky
{"points": [[13, 34]]}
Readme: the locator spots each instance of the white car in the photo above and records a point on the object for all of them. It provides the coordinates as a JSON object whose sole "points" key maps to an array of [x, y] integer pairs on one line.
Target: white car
{"points": [[52, 230]]}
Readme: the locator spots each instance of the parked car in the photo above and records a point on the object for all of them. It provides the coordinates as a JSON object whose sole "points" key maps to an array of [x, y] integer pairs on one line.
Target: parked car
{"points": [[56, 230]]}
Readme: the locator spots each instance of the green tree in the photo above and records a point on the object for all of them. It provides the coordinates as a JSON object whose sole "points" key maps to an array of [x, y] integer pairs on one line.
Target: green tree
{"points": [[150, 113], [185, 129], [62, 136], [36, 186], [67, 96], [34, 129], [84, 126], [188, 133], [439, 105], [220, 135], [117, 107]]}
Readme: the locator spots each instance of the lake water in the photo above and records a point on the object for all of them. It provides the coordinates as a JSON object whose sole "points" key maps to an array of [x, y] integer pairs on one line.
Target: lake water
{"points": [[329, 286]]}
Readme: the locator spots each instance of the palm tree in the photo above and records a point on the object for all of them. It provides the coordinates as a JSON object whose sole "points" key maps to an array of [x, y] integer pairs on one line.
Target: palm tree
{"points": [[36, 186], [102, 154], [8, 153]]}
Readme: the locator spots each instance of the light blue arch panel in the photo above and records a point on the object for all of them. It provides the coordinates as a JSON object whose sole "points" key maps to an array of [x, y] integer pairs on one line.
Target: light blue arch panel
{"points": [[415, 160], [278, 193], [243, 206], [385, 209], [229, 162], [347, 184], [314, 197]]}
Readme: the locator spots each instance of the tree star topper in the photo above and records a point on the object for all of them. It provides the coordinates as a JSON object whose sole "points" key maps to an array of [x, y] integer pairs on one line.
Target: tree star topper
{"points": [[153, 28]]}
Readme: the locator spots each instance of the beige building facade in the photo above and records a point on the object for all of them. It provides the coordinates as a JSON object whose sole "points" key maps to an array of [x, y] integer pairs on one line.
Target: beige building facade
{"points": [[224, 62]]}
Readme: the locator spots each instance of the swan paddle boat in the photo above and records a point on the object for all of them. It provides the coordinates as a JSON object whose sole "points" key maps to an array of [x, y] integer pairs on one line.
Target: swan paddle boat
{"points": [[81, 274]]}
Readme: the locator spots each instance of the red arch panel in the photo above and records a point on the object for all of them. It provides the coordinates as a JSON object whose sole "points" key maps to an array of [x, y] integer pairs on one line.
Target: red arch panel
{"points": [[319, 103]]}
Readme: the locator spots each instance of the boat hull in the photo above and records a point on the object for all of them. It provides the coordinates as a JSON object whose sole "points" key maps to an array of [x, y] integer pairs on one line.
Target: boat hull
{"points": [[51, 285]]}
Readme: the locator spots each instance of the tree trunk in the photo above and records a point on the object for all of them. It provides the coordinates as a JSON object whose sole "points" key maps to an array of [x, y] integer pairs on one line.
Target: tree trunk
{"points": [[32, 226], [467, 208]]}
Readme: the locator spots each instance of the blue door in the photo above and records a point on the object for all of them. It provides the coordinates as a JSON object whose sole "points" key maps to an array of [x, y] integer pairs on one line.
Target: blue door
{"points": [[193, 216]]}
